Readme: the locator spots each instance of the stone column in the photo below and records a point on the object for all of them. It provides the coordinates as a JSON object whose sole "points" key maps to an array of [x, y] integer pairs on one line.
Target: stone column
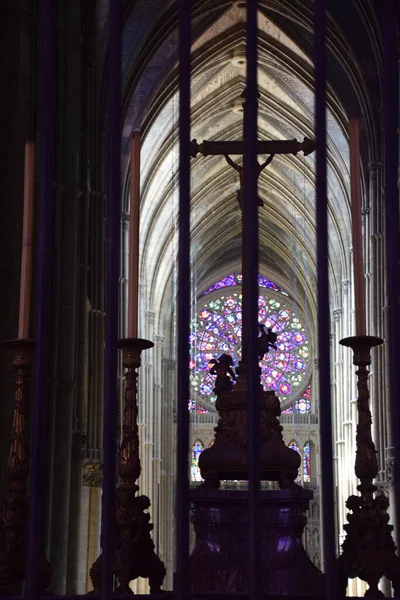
{"points": [[146, 401], [158, 456], [92, 482], [167, 491]]}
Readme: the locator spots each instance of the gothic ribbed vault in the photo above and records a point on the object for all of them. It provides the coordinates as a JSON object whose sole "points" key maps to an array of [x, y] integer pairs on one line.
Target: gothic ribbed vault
{"points": [[287, 230]]}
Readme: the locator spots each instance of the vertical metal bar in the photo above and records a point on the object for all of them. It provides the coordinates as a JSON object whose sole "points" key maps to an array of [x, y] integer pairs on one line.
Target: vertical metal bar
{"points": [[328, 507], [112, 285], [392, 237], [182, 484], [250, 303], [40, 395]]}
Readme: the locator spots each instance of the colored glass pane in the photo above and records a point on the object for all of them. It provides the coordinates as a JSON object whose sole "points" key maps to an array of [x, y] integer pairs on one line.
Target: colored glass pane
{"points": [[294, 446], [197, 408], [218, 330], [237, 279], [306, 463], [197, 449]]}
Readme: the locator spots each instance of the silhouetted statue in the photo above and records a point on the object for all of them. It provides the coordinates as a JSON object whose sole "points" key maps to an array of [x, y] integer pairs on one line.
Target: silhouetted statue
{"points": [[239, 169], [222, 368], [266, 341]]}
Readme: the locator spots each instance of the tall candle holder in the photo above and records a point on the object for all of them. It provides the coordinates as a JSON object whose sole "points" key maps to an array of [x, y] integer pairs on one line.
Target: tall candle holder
{"points": [[14, 505], [134, 548], [369, 551]]}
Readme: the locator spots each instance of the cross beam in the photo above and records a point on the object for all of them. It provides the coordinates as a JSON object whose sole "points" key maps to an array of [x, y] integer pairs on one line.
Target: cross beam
{"points": [[263, 147]]}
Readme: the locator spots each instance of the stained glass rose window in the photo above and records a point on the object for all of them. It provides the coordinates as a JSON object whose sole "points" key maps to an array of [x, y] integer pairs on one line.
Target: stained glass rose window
{"points": [[218, 330]]}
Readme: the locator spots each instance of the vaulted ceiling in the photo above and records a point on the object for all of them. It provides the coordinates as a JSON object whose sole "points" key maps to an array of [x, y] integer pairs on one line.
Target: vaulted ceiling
{"points": [[285, 77]]}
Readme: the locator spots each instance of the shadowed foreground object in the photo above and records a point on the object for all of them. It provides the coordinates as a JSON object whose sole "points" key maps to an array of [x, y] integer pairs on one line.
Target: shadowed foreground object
{"points": [[14, 506], [369, 551], [134, 548]]}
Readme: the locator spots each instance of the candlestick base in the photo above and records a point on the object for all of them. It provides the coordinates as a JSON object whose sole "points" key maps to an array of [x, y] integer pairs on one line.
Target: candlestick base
{"points": [[14, 505], [368, 551]]}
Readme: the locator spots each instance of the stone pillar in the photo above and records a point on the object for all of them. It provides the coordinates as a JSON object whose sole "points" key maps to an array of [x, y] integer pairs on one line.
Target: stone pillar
{"points": [[92, 481], [167, 491], [158, 455], [146, 414]]}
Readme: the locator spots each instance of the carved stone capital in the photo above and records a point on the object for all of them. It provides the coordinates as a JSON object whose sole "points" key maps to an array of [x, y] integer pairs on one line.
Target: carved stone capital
{"points": [[365, 212], [170, 363], [159, 341], [373, 168], [345, 286], [93, 474], [125, 221], [389, 467], [151, 317], [337, 313]]}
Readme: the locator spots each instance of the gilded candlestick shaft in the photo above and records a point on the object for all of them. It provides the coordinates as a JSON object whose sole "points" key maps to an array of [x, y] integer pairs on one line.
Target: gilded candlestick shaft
{"points": [[129, 459], [368, 551], [134, 547], [14, 504], [366, 464]]}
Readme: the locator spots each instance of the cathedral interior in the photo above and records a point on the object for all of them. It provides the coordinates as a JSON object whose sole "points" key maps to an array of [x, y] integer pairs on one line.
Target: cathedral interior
{"points": [[288, 271]]}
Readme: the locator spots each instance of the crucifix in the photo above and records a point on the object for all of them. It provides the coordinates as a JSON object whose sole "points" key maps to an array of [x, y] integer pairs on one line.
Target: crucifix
{"points": [[232, 148]]}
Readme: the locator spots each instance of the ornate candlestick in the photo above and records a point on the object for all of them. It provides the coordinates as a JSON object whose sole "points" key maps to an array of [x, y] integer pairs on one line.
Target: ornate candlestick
{"points": [[134, 548], [14, 504], [369, 551]]}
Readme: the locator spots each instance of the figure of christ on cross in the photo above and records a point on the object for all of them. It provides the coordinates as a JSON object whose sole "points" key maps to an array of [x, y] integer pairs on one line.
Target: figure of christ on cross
{"points": [[241, 193], [236, 147], [271, 147]]}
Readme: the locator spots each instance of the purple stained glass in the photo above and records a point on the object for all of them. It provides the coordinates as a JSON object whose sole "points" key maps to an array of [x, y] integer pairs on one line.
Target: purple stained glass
{"points": [[237, 279], [197, 449], [218, 330], [302, 405], [306, 463], [197, 408], [294, 446]]}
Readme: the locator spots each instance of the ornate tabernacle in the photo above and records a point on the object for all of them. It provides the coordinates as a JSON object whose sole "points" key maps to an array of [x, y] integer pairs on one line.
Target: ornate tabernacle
{"points": [[227, 457], [368, 551], [221, 518], [134, 549], [14, 505]]}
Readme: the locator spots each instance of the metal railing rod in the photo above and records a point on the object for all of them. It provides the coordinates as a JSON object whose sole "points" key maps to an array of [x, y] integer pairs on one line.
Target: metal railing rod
{"points": [[391, 202], [182, 484], [112, 287], [325, 417], [250, 257], [35, 547]]}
